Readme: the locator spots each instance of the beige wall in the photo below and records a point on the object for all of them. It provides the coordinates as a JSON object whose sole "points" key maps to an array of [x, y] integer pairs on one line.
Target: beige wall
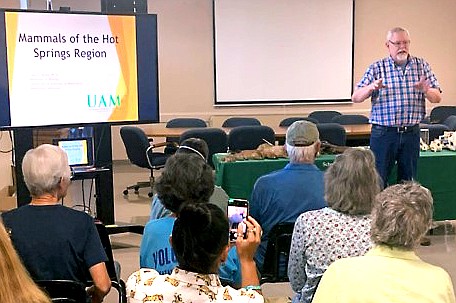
{"points": [[186, 59]]}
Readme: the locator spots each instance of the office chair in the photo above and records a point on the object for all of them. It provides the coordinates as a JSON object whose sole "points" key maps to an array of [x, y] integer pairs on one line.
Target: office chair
{"points": [[324, 116], [350, 119], [139, 152], [450, 122], [277, 253], [215, 138], [249, 137], [116, 281], [440, 113], [353, 120], [240, 121], [180, 123], [290, 120], [435, 130], [334, 133], [64, 291]]}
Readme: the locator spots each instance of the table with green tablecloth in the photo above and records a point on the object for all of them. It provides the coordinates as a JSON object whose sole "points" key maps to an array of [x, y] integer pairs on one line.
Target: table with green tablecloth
{"points": [[436, 171]]}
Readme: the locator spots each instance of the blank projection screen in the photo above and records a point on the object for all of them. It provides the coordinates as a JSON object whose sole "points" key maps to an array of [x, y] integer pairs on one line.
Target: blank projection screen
{"points": [[290, 51]]}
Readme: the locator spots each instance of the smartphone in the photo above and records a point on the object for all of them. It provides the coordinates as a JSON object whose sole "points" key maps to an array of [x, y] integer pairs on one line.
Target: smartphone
{"points": [[238, 210]]}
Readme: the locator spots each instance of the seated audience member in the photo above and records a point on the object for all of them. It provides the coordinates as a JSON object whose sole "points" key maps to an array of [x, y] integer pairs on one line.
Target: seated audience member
{"points": [[341, 230], [218, 197], [185, 179], [200, 242], [391, 271], [283, 195], [54, 241], [15, 282]]}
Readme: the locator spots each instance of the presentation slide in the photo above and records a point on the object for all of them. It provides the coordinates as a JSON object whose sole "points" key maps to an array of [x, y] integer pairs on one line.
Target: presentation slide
{"points": [[76, 150], [294, 51], [80, 68]]}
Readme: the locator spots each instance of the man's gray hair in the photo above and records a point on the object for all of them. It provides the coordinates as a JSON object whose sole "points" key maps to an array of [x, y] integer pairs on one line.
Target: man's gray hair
{"points": [[402, 215], [302, 154], [390, 33], [352, 182], [43, 169]]}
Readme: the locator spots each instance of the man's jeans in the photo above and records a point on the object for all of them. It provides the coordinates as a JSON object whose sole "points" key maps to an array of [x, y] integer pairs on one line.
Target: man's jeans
{"points": [[399, 145]]}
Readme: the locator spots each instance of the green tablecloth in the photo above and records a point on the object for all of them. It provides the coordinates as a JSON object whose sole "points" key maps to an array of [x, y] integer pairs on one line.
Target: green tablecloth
{"points": [[436, 171]]}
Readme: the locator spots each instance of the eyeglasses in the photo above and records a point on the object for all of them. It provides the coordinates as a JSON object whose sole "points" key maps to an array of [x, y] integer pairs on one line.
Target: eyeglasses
{"points": [[400, 43]]}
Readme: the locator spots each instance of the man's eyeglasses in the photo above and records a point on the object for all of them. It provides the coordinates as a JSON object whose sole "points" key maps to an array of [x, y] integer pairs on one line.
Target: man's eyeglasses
{"points": [[400, 43]]}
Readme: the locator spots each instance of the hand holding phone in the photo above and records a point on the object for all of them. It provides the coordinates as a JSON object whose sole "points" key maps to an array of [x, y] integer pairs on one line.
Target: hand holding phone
{"points": [[238, 211]]}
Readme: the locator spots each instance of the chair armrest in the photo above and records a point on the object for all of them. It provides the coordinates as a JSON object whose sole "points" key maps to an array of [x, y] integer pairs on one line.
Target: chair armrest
{"points": [[161, 144], [121, 289]]}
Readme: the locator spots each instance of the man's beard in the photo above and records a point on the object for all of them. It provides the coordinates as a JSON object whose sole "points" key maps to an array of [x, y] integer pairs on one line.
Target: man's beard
{"points": [[402, 57]]}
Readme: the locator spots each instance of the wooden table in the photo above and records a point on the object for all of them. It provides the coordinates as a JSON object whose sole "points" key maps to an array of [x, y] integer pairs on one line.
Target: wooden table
{"points": [[159, 130]]}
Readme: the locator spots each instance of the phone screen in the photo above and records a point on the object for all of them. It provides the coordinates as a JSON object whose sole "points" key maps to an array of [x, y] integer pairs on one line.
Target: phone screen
{"points": [[238, 210]]}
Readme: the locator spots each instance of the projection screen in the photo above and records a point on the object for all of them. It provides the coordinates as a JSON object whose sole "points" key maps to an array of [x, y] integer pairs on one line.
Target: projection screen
{"points": [[290, 51]]}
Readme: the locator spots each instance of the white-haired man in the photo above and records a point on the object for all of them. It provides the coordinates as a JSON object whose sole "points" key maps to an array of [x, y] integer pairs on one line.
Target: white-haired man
{"points": [[281, 196]]}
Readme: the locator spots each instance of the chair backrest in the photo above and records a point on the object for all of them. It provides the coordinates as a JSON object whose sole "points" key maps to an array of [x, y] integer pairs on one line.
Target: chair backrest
{"points": [[440, 113], [334, 133], [249, 137], [139, 150], [181, 122], [186, 122], [240, 121], [215, 138], [64, 291], [114, 274], [136, 145], [435, 130], [450, 122], [350, 119], [277, 253], [324, 116], [290, 120]]}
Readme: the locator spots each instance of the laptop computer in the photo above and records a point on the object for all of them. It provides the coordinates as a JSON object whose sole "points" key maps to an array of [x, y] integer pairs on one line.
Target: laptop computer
{"points": [[79, 151]]}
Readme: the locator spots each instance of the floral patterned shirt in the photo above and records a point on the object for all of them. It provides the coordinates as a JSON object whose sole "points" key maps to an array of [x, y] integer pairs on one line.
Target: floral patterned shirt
{"points": [[321, 237], [147, 285]]}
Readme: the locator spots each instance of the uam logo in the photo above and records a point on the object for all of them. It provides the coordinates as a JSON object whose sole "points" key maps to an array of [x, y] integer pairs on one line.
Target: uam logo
{"points": [[103, 101]]}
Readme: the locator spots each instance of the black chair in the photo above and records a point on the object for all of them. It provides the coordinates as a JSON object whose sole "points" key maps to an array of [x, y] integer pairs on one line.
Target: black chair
{"points": [[180, 123], [440, 113], [290, 120], [215, 138], [249, 137], [353, 120], [240, 121], [450, 122], [139, 152], [435, 130], [277, 253], [114, 275], [64, 291], [324, 116], [333, 133], [350, 119]]}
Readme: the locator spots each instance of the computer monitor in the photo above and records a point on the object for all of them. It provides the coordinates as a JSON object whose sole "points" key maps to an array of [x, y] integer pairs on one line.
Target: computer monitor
{"points": [[79, 151]]}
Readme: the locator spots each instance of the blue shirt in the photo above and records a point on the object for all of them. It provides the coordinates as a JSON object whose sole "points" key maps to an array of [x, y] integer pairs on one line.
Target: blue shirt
{"points": [[282, 196], [399, 103], [156, 252]]}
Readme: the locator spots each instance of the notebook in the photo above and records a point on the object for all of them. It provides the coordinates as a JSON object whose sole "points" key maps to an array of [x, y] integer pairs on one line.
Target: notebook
{"points": [[79, 152]]}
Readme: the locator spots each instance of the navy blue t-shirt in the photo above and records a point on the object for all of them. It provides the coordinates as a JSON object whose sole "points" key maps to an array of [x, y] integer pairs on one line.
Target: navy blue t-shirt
{"points": [[55, 242]]}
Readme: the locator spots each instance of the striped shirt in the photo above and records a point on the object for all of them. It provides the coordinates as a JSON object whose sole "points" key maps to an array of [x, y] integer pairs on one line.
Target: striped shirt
{"points": [[399, 103]]}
